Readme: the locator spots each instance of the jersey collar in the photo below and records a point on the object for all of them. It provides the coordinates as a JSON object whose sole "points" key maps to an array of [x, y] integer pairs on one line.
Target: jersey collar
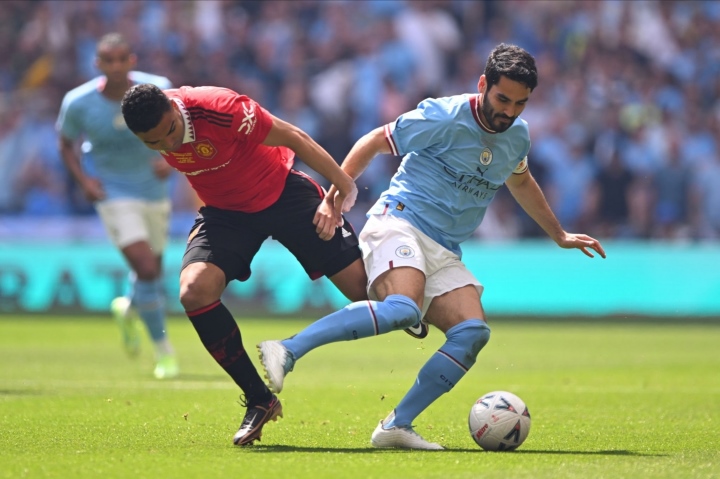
{"points": [[475, 107], [189, 136]]}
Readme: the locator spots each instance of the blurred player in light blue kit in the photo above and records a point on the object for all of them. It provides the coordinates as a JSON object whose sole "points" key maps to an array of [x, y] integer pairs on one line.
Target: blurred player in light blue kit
{"points": [[458, 151], [128, 185]]}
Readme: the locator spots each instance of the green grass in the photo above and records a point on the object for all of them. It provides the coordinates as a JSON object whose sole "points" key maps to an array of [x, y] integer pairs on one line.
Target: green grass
{"points": [[608, 400]]}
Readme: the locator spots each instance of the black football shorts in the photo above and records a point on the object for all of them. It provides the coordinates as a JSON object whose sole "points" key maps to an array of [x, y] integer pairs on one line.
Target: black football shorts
{"points": [[230, 239]]}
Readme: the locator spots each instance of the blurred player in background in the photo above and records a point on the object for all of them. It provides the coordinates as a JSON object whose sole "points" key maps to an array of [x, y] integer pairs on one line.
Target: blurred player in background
{"points": [[238, 158], [458, 151], [128, 185]]}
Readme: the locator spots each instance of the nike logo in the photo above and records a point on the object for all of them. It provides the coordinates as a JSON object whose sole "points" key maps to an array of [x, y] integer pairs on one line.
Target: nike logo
{"points": [[251, 421], [417, 329]]}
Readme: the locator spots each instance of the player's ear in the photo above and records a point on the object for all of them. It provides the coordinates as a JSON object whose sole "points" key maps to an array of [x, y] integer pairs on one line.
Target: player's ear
{"points": [[482, 84], [133, 60]]}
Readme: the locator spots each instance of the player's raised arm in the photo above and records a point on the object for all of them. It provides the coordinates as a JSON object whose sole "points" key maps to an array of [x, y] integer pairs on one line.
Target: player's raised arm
{"points": [[328, 216], [528, 194]]}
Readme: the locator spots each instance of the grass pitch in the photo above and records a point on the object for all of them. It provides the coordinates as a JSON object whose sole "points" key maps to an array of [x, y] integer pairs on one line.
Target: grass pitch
{"points": [[607, 400]]}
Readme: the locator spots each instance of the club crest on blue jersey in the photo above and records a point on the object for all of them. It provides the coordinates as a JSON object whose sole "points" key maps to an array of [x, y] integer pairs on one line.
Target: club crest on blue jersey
{"points": [[405, 252], [486, 156]]}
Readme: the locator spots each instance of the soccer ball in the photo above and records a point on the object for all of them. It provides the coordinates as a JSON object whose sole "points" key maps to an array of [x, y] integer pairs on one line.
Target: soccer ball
{"points": [[499, 421]]}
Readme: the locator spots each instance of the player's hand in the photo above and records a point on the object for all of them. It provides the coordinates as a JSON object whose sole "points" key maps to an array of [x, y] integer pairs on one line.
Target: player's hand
{"points": [[582, 242], [93, 189], [328, 215], [324, 219], [344, 201], [161, 168]]}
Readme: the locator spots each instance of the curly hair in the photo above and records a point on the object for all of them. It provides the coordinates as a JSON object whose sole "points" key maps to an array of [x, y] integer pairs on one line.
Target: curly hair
{"points": [[513, 62], [143, 106]]}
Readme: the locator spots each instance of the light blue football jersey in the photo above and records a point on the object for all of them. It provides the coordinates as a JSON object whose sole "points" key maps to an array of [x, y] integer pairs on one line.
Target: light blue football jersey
{"points": [[116, 156], [451, 169]]}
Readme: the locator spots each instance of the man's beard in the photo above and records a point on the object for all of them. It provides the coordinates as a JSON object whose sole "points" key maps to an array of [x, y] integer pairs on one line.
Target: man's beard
{"points": [[490, 117]]}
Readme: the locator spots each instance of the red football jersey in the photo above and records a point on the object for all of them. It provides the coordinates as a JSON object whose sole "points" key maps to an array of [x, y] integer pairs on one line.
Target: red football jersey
{"points": [[222, 153]]}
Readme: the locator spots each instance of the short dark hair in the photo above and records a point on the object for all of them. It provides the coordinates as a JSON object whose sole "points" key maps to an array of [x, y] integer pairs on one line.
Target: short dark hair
{"points": [[143, 106], [513, 62], [111, 40]]}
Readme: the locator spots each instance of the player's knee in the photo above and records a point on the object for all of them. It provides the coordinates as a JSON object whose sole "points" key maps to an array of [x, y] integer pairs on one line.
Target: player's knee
{"points": [[471, 336], [200, 286], [480, 334], [147, 271], [399, 312], [195, 295]]}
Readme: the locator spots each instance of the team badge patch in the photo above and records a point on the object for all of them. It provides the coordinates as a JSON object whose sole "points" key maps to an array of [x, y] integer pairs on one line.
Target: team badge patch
{"points": [[204, 149], [486, 156], [405, 251]]}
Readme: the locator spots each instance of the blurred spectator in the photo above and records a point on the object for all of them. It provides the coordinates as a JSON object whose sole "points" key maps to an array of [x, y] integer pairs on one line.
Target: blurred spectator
{"points": [[706, 200], [569, 187], [671, 189], [610, 199]]}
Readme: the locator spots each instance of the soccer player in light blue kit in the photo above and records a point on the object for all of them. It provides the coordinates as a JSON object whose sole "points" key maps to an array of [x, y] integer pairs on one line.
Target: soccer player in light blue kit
{"points": [[458, 151], [128, 185]]}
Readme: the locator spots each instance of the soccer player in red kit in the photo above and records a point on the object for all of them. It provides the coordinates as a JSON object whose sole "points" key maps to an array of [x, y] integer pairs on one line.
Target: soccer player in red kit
{"points": [[238, 158]]}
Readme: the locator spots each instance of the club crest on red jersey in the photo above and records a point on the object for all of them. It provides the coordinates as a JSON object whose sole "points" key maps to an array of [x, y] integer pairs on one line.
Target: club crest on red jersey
{"points": [[204, 149]]}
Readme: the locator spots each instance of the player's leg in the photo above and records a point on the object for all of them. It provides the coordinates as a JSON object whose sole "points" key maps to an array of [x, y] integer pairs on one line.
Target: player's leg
{"points": [[216, 246], [358, 320], [138, 228], [402, 291], [147, 292], [465, 338], [452, 304], [352, 280], [157, 219]]}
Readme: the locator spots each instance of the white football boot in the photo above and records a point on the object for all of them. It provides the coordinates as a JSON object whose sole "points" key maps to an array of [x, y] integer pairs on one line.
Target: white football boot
{"points": [[277, 362], [400, 437]]}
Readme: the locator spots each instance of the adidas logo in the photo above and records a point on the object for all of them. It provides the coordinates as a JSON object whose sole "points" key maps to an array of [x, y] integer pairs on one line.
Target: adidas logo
{"points": [[345, 232]]}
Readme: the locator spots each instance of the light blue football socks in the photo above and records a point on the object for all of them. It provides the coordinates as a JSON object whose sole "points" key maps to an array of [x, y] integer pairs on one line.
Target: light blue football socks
{"points": [[148, 300], [357, 320], [443, 370]]}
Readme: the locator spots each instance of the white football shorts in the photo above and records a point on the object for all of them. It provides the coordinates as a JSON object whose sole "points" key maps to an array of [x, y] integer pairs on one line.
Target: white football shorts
{"points": [[389, 242], [128, 221]]}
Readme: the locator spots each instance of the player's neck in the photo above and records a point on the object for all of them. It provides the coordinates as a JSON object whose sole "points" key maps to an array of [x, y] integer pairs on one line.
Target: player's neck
{"points": [[115, 91]]}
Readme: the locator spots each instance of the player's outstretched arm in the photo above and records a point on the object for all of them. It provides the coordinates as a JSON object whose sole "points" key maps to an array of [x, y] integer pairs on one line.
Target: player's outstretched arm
{"points": [[528, 194], [328, 215]]}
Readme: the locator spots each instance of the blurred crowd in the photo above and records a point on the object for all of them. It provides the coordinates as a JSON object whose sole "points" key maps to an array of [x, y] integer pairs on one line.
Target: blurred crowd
{"points": [[625, 122]]}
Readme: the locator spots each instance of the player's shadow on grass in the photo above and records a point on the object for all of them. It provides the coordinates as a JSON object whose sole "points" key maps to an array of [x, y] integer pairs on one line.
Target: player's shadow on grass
{"points": [[586, 453], [361, 450]]}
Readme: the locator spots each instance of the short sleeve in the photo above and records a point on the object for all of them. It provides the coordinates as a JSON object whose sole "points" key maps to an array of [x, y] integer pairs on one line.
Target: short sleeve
{"points": [[250, 121], [68, 122], [418, 129]]}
